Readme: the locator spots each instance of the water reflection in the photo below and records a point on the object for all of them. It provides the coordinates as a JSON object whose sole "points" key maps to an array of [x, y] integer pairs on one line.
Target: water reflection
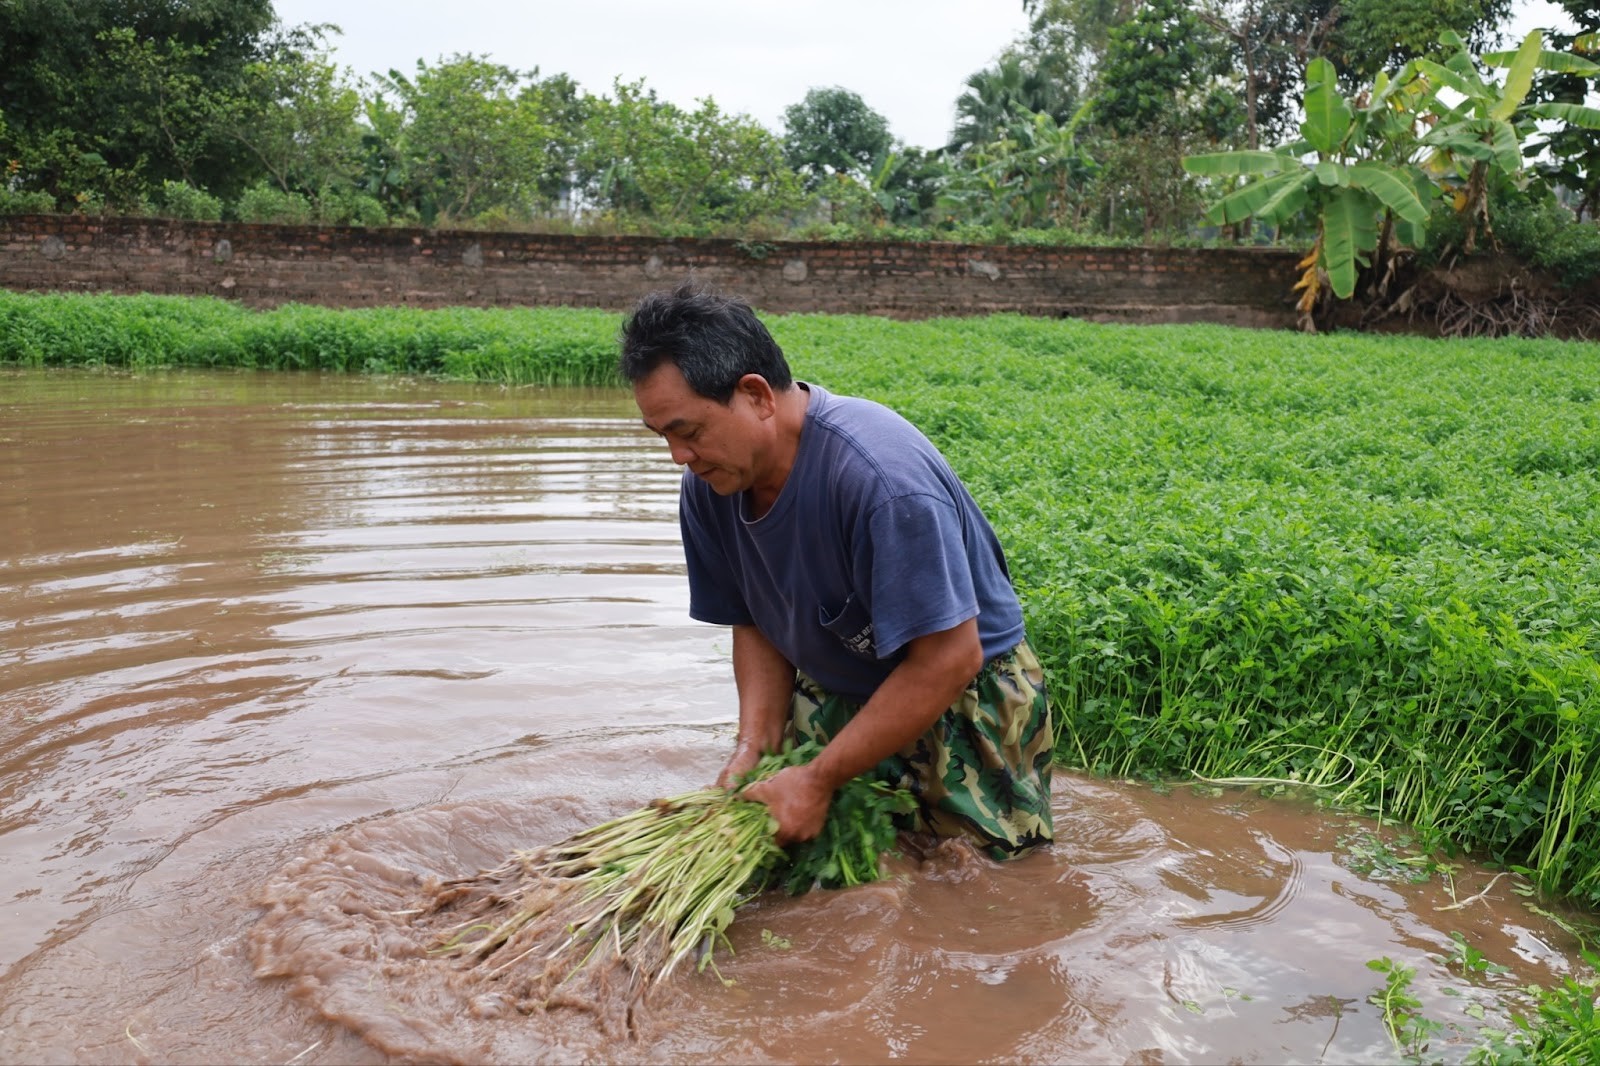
{"points": [[220, 586]]}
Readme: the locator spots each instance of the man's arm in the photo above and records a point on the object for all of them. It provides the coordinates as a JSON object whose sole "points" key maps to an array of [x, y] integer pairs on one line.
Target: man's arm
{"points": [[936, 670], [765, 680]]}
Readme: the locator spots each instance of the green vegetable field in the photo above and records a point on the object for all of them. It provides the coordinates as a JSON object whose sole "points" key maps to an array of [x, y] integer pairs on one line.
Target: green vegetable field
{"points": [[1367, 564]]}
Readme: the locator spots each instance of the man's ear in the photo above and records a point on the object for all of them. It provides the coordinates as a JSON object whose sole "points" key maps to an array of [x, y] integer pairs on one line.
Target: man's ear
{"points": [[760, 393]]}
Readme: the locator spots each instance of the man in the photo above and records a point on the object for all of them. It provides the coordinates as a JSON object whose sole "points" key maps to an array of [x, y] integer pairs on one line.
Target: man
{"points": [[869, 598]]}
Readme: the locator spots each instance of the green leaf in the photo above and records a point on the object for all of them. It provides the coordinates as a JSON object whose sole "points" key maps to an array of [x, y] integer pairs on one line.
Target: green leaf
{"points": [[1263, 199], [1411, 234], [1390, 187], [1553, 62], [1461, 62], [1415, 234], [1506, 145], [1446, 77], [1463, 139], [1349, 229], [1330, 173], [1327, 114], [1520, 78], [1228, 164], [1572, 114], [1407, 82]]}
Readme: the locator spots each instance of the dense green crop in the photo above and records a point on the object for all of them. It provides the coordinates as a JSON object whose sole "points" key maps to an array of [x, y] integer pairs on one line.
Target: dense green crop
{"points": [[548, 346], [1369, 564]]}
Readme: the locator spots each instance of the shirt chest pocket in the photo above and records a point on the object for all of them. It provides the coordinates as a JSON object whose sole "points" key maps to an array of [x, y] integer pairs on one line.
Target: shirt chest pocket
{"points": [[852, 625]]}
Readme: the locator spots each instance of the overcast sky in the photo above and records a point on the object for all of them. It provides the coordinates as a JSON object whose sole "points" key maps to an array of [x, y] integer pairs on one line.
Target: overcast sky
{"points": [[906, 58]]}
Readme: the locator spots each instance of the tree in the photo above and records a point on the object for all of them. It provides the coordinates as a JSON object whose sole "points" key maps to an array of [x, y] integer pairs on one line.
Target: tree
{"points": [[1375, 35], [624, 137], [1571, 154], [903, 188], [1383, 157], [468, 140], [833, 131], [1363, 176], [1272, 41], [1033, 176], [1479, 140], [299, 115], [562, 110], [113, 97], [1160, 67], [1082, 27], [643, 157], [1140, 188], [386, 168], [1009, 93], [1156, 94], [908, 185]]}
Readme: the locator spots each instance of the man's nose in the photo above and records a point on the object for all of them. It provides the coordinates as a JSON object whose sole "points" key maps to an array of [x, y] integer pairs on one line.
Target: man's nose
{"points": [[681, 452]]}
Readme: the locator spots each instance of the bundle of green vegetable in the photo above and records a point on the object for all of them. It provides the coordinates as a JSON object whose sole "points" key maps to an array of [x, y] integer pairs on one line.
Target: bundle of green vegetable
{"points": [[652, 888]]}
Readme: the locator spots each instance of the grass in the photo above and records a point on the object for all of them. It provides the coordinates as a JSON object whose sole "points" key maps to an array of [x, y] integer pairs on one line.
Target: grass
{"points": [[1561, 1026], [1555, 1026], [1367, 565]]}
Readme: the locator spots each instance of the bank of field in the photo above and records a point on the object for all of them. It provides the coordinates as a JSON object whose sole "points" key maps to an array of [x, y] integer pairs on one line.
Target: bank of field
{"points": [[1371, 565]]}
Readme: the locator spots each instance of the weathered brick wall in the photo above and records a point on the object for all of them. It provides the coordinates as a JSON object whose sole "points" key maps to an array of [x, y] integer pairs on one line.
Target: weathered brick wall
{"points": [[348, 267]]}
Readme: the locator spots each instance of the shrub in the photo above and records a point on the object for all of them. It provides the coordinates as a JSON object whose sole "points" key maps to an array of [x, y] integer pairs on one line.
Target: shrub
{"points": [[350, 207], [1544, 234], [183, 201], [26, 203], [267, 203], [1550, 237]]}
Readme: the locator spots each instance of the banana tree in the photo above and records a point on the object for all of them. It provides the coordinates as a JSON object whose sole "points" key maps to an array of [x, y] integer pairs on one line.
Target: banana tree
{"points": [[1482, 137], [1033, 174], [1354, 171]]}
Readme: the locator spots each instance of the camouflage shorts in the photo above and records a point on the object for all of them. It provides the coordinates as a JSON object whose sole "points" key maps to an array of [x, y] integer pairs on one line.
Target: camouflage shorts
{"points": [[982, 771]]}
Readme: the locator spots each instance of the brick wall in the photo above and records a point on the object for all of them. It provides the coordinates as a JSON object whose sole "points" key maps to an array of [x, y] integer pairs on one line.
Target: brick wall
{"points": [[349, 267]]}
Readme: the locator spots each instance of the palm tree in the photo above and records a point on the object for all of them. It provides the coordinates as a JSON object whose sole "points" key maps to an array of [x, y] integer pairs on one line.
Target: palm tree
{"points": [[998, 97]]}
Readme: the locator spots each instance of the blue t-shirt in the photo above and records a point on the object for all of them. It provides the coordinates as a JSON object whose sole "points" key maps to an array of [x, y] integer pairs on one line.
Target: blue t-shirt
{"points": [[873, 542]]}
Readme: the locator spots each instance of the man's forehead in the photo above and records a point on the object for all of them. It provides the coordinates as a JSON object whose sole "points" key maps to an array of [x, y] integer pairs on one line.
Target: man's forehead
{"points": [[675, 425]]}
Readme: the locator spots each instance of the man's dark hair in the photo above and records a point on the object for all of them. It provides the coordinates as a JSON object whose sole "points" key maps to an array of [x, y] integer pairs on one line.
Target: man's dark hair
{"points": [[714, 340]]}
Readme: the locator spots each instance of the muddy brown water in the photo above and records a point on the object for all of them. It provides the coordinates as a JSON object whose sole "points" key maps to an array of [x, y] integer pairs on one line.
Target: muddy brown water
{"points": [[275, 648]]}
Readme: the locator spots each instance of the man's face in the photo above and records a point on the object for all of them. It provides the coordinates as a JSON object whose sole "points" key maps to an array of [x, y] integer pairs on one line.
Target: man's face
{"points": [[720, 443]]}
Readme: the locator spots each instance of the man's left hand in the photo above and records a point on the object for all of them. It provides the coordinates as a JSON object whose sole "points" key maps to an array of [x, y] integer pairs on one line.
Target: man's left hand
{"points": [[798, 799]]}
